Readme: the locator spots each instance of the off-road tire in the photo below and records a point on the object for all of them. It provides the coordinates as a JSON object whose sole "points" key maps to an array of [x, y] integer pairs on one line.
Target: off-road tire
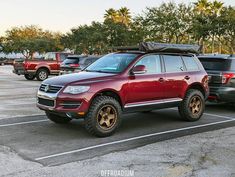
{"points": [[29, 77], [42, 74], [184, 108], [57, 119], [91, 120]]}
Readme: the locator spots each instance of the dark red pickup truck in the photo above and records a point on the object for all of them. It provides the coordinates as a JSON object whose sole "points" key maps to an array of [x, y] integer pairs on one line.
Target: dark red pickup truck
{"points": [[40, 68]]}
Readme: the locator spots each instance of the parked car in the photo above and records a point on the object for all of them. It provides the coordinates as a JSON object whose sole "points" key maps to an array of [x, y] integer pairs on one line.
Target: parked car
{"points": [[40, 68], [157, 76], [2, 61], [75, 63], [221, 71]]}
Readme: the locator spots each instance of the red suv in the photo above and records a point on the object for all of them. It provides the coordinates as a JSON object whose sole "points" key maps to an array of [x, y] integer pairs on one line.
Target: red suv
{"points": [[154, 77]]}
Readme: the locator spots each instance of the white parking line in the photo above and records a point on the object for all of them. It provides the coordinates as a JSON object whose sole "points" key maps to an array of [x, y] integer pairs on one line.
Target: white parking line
{"points": [[213, 115], [131, 139], [23, 123]]}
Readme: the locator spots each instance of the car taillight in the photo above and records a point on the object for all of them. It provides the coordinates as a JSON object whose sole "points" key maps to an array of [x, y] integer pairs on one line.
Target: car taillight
{"points": [[226, 77], [74, 65]]}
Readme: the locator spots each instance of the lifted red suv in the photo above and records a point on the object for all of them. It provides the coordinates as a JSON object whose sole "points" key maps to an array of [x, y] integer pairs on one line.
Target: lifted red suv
{"points": [[157, 76]]}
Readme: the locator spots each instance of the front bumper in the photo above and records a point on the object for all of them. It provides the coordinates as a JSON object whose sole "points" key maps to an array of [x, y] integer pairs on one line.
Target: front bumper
{"points": [[64, 103], [19, 71], [222, 94], [23, 71]]}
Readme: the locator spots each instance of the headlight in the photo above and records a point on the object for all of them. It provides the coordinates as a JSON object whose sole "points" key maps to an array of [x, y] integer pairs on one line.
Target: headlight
{"points": [[76, 89]]}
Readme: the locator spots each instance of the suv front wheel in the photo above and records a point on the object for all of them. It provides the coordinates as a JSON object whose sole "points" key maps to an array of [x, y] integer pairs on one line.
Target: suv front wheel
{"points": [[103, 117], [193, 106]]}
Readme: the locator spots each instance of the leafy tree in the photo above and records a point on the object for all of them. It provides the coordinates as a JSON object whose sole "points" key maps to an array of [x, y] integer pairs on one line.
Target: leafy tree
{"points": [[30, 39], [168, 22], [228, 20], [87, 39]]}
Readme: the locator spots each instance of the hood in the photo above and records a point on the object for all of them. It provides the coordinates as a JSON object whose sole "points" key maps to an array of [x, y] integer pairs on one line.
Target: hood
{"points": [[84, 77]]}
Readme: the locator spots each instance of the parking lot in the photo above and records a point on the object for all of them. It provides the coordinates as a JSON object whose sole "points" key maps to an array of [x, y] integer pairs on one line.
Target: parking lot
{"points": [[26, 130]]}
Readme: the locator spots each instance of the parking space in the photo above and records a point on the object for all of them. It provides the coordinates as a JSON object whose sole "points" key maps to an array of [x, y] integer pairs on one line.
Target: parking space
{"points": [[37, 139]]}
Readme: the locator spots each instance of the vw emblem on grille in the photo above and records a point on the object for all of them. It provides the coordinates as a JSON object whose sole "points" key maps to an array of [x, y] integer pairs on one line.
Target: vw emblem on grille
{"points": [[47, 88]]}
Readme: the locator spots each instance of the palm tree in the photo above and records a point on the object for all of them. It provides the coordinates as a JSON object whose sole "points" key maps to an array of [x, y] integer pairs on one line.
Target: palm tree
{"points": [[202, 7], [111, 14], [216, 7], [215, 12], [124, 16]]}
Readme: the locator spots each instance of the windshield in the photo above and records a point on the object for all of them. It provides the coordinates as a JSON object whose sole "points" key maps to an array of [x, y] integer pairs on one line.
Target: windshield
{"points": [[112, 63]]}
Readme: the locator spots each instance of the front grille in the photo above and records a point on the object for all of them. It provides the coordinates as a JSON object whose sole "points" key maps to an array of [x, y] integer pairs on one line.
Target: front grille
{"points": [[50, 88], [46, 102]]}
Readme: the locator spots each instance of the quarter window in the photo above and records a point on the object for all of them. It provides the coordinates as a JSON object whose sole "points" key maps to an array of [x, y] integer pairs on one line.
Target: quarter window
{"points": [[152, 64], [190, 63], [173, 63]]}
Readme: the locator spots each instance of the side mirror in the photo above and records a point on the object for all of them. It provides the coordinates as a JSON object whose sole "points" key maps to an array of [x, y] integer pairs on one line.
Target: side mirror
{"points": [[139, 69]]}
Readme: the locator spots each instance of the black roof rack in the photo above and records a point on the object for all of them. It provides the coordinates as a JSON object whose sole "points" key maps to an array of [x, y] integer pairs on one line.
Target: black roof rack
{"points": [[150, 47]]}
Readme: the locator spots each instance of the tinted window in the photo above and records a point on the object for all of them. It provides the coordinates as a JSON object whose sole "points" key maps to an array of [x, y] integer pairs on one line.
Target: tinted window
{"points": [[173, 63], [112, 63], [190, 63], [71, 61], [88, 61], [152, 64], [63, 56], [50, 56], [216, 64]]}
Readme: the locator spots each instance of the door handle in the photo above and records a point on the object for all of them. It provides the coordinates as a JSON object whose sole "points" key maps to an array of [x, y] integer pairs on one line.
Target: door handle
{"points": [[161, 80], [187, 77]]}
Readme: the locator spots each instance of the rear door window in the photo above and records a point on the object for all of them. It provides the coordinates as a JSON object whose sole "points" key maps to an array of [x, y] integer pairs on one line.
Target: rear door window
{"points": [[71, 61], [190, 63], [216, 64], [173, 63]]}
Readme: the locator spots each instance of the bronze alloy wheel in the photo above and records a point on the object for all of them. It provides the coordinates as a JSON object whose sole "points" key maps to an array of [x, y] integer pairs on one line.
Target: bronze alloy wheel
{"points": [[195, 105], [107, 117]]}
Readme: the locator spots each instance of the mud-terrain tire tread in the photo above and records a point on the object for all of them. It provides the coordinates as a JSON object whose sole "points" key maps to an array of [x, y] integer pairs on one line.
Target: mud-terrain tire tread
{"points": [[184, 108], [90, 119]]}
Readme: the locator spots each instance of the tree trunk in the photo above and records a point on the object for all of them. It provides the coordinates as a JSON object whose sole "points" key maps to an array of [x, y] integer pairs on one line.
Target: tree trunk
{"points": [[213, 44], [202, 45]]}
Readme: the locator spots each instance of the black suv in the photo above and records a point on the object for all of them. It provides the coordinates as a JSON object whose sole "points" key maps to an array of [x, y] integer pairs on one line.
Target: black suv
{"points": [[75, 63], [221, 71]]}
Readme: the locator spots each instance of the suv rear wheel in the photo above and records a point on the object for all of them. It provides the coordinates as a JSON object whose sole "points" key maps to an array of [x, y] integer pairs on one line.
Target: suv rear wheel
{"points": [[57, 119], [42, 74], [103, 117], [29, 76], [193, 105]]}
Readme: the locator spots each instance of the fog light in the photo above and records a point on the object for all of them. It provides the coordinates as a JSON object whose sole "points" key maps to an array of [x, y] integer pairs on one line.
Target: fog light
{"points": [[81, 113]]}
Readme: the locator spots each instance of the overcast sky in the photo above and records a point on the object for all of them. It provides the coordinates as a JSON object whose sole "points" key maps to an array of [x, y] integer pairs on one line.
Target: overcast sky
{"points": [[62, 15]]}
